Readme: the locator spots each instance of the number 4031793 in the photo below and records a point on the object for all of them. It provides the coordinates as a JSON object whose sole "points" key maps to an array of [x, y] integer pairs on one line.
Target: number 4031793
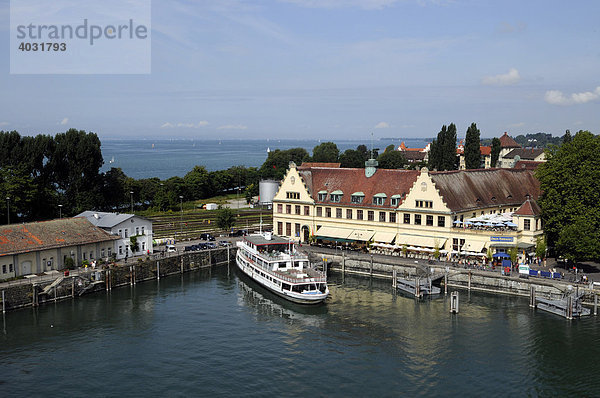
{"points": [[43, 46]]}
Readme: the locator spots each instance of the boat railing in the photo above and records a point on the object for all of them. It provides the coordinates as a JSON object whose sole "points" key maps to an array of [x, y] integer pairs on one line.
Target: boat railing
{"points": [[316, 279]]}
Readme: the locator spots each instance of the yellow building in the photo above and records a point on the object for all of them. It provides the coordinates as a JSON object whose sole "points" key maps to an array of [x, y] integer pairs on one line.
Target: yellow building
{"points": [[456, 212]]}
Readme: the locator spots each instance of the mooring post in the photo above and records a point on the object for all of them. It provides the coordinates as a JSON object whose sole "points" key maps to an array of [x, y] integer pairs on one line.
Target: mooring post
{"points": [[394, 278], [131, 275], [209, 257], [343, 265], [569, 309], [446, 283], [3, 303], [106, 279], [371, 270], [227, 254], [595, 302], [454, 302], [72, 286], [54, 293], [469, 280], [158, 270], [532, 296], [417, 287], [181, 264], [33, 296]]}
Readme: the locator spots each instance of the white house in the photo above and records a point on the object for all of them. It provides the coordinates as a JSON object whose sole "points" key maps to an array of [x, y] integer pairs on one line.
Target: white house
{"points": [[128, 227]]}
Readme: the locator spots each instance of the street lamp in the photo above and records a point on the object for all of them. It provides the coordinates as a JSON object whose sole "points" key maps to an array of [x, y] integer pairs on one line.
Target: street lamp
{"points": [[131, 196], [8, 209], [59, 211], [181, 219]]}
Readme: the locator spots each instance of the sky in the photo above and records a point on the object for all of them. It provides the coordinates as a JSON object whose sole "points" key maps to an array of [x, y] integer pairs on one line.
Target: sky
{"points": [[331, 69]]}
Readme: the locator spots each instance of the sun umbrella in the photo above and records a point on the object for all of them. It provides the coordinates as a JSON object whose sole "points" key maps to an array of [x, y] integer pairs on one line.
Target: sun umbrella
{"points": [[501, 255]]}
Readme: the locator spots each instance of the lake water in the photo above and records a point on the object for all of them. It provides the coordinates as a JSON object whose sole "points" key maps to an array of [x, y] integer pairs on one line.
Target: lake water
{"points": [[168, 158], [215, 333]]}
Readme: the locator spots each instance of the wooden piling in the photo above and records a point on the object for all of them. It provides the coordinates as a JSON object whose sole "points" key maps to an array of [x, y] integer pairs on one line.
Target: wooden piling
{"points": [[532, 297], [72, 286], [569, 309], [158, 270], [595, 303], [371, 270], [446, 283], [469, 280], [3, 303], [417, 287], [454, 302], [131, 275], [394, 278]]}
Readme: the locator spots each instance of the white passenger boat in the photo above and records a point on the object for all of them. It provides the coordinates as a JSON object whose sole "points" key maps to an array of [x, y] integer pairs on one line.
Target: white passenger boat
{"points": [[274, 263]]}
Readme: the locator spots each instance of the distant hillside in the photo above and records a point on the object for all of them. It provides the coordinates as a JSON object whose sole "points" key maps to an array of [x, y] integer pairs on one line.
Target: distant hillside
{"points": [[538, 140]]}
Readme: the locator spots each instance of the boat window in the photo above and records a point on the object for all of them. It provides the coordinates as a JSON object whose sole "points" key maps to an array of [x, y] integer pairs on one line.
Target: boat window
{"points": [[285, 286]]}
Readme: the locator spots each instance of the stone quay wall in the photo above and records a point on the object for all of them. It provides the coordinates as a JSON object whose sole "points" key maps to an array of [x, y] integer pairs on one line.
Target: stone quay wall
{"points": [[87, 281]]}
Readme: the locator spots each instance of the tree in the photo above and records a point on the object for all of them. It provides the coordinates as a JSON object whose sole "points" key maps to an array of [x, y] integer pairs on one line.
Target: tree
{"points": [[570, 182], [197, 183], [225, 219], [391, 159], [540, 247], [513, 252], [442, 155], [496, 147], [472, 151], [567, 137], [278, 161], [326, 152], [352, 158]]}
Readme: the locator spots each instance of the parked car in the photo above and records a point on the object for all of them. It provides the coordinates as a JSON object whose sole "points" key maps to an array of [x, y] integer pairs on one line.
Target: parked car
{"points": [[207, 237], [171, 249], [224, 243], [211, 245], [240, 232]]}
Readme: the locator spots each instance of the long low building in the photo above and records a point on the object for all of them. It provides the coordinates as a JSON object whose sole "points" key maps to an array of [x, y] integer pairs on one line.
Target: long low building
{"points": [[44, 246], [455, 212]]}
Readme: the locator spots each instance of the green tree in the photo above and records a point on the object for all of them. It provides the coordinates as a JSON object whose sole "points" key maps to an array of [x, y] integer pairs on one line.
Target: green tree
{"points": [[570, 185], [567, 137], [225, 219], [472, 151], [513, 252], [197, 183], [278, 161], [326, 152], [496, 147], [442, 154], [540, 247], [352, 158], [391, 159]]}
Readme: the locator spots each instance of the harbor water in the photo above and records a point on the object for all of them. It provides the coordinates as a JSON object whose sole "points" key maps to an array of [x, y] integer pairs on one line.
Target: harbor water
{"points": [[216, 333]]}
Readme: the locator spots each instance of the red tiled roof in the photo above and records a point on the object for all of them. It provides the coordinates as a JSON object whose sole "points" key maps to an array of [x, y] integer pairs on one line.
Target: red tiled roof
{"points": [[403, 148], [481, 188], [23, 238], [484, 150], [507, 142], [529, 208], [413, 156], [306, 165], [349, 181], [527, 164]]}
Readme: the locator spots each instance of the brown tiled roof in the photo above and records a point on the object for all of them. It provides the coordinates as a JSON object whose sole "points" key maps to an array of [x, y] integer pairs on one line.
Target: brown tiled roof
{"points": [[349, 181], [472, 189], [524, 153], [403, 148], [306, 165], [23, 238], [484, 150], [414, 156], [527, 164], [507, 142], [529, 208]]}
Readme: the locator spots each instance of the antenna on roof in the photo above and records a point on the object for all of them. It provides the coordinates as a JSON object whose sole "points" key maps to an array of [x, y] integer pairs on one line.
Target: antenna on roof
{"points": [[371, 145]]}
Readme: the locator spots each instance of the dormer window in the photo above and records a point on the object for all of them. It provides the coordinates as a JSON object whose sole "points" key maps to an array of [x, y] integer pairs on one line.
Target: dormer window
{"points": [[357, 197], [395, 200], [336, 196], [379, 199], [322, 196]]}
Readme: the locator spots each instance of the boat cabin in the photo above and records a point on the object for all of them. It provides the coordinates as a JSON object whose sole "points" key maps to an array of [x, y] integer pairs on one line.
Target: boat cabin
{"points": [[275, 253]]}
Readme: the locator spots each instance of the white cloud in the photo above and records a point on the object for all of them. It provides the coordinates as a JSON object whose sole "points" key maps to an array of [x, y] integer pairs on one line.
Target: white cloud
{"points": [[232, 127], [64, 121], [556, 97], [520, 124], [512, 77], [4, 124], [382, 125], [169, 125]]}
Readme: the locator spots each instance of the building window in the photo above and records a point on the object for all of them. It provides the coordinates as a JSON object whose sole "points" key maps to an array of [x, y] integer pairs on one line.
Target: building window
{"points": [[288, 209], [306, 211], [359, 214], [429, 221], [297, 209], [322, 196], [142, 230], [335, 198], [279, 228], [297, 230], [91, 255], [392, 217], [292, 195], [382, 216], [143, 246], [102, 253], [84, 257], [441, 221], [526, 225], [427, 204], [394, 201], [279, 208], [109, 251], [126, 250], [338, 213], [406, 218], [137, 230], [455, 244], [121, 233], [288, 229], [120, 250], [127, 232], [379, 200], [371, 215], [349, 214], [357, 199], [417, 219], [4, 268], [328, 212], [319, 212]]}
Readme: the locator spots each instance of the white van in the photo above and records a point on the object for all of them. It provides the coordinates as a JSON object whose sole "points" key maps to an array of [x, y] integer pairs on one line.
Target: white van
{"points": [[171, 249]]}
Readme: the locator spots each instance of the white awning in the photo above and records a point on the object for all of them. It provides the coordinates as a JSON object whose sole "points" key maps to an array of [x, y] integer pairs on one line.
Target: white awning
{"points": [[361, 234], [424, 241], [473, 246], [385, 237], [333, 232]]}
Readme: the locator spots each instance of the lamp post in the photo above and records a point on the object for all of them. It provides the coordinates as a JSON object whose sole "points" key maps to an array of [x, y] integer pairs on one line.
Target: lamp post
{"points": [[8, 210], [59, 211], [131, 196], [181, 219]]}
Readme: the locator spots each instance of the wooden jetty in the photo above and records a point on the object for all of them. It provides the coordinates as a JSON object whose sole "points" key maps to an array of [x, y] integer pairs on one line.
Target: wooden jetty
{"points": [[417, 287], [569, 306]]}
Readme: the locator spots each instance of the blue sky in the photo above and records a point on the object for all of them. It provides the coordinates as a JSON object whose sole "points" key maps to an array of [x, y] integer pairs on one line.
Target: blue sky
{"points": [[332, 69]]}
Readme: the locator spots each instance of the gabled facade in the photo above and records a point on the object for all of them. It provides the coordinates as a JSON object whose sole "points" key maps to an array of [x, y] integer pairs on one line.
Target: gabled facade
{"points": [[412, 208], [45, 246], [125, 227]]}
